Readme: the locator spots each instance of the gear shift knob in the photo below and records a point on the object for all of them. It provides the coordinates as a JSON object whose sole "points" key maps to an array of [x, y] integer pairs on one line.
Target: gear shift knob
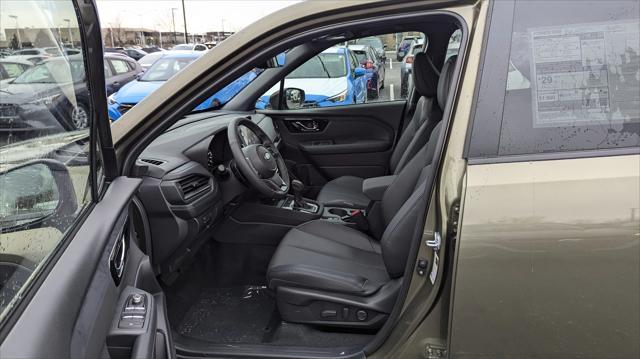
{"points": [[297, 187]]}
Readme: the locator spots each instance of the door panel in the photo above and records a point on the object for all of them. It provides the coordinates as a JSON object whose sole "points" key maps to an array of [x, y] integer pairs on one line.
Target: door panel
{"points": [[325, 143], [549, 260]]}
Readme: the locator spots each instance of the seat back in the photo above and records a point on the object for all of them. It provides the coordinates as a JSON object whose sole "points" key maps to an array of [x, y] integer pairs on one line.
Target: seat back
{"points": [[401, 200], [425, 79]]}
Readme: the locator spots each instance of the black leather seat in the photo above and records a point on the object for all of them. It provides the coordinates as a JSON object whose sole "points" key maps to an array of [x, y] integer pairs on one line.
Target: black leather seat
{"points": [[346, 191], [326, 273]]}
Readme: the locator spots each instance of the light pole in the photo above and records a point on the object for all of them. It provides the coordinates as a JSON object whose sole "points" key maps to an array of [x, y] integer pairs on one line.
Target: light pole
{"points": [[173, 20], [184, 18], [69, 29], [15, 17]]}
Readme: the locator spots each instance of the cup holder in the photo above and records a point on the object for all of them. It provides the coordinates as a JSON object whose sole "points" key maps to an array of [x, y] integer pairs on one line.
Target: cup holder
{"points": [[340, 212]]}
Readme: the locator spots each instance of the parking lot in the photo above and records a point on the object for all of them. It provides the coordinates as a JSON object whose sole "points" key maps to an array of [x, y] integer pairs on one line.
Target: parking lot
{"points": [[391, 90]]}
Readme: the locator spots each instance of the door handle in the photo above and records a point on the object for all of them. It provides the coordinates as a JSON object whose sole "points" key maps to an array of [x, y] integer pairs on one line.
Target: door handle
{"points": [[306, 126]]}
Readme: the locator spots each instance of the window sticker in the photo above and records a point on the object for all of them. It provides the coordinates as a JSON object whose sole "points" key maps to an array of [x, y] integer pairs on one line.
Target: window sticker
{"points": [[586, 74]]}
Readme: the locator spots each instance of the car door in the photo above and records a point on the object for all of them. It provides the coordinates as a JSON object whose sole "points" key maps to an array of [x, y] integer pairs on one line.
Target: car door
{"points": [[329, 139], [549, 253], [76, 282], [122, 73]]}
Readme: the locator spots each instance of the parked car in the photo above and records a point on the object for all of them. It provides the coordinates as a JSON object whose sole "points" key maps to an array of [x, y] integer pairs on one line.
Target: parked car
{"points": [[404, 45], [119, 71], [34, 59], [368, 58], [163, 69], [62, 101], [10, 69], [152, 49], [190, 47], [376, 44], [118, 50], [406, 66], [331, 78], [134, 53], [493, 218], [151, 58]]}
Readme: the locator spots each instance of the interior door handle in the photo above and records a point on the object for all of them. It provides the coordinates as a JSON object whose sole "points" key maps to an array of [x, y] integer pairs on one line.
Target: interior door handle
{"points": [[306, 126]]}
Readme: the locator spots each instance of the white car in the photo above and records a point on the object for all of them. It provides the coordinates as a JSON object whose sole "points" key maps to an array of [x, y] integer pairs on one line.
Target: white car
{"points": [[191, 47]]}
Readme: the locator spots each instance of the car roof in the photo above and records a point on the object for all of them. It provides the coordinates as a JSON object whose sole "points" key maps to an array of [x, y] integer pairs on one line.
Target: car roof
{"points": [[183, 55], [358, 47], [17, 61], [335, 50]]}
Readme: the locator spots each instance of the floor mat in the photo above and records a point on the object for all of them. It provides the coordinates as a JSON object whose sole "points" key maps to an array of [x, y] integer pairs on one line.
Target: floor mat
{"points": [[230, 315]]}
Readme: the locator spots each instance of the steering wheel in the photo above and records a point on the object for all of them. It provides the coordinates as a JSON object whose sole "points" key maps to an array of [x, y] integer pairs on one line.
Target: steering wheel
{"points": [[260, 164]]}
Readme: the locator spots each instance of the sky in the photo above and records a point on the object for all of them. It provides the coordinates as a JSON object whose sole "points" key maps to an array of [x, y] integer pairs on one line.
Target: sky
{"points": [[202, 15]]}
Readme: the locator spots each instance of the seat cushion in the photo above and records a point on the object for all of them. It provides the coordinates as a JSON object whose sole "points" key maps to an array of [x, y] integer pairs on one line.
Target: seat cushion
{"points": [[345, 192], [329, 257]]}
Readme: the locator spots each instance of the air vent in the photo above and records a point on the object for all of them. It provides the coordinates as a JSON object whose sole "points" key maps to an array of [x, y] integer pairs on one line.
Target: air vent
{"points": [[151, 161], [194, 185]]}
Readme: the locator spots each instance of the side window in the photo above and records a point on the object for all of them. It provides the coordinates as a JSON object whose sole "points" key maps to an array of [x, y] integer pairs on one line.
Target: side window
{"points": [[120, 66], [107, 70], [45, 182], [368, 69], [570, 81]]}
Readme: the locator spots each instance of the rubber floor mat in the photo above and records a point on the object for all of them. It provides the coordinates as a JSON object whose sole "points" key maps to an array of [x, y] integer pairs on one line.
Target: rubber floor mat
{"points": [[230, 315]]}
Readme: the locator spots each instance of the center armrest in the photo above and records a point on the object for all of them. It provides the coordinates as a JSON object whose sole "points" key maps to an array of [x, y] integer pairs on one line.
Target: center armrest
{"points": [[375, 187]]}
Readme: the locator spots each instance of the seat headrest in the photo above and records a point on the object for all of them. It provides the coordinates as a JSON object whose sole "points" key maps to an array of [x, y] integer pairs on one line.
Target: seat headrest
{"points": [[444, 83], [425, 77]]}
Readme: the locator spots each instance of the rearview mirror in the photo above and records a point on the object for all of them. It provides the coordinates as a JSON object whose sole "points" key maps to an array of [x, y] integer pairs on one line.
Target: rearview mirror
{"points": [[36, 194], [359, 71]]}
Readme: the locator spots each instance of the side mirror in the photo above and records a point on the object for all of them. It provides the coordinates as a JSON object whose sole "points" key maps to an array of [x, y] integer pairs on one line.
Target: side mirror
{"points": [[293, 99], [384, 46], [359, 71], [37, 194]]}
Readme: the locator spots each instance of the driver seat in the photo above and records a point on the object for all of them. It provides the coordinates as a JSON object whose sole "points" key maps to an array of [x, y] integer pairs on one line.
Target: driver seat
{"points": [[325, 273]]}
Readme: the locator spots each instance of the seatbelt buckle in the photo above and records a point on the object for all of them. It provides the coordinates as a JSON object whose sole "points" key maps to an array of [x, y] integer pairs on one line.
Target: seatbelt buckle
{"points": [[358, 217]]}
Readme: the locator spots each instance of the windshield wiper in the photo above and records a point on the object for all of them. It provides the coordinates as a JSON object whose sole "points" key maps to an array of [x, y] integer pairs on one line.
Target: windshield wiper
{"points": [[324, 67]]}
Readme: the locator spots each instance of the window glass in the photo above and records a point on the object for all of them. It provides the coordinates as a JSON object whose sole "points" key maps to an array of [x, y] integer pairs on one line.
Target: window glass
{"points": [[12, 69], [107, 70], [45, 115], [120, 67], [368, 69], [165, 68], [571, 82]]}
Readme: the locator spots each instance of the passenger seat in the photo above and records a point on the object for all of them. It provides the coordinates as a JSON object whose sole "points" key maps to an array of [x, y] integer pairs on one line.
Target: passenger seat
{"points": [[346, 191]]}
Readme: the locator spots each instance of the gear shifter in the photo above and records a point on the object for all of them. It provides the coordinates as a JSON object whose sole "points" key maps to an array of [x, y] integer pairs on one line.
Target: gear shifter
{"points": [[297, 187]]}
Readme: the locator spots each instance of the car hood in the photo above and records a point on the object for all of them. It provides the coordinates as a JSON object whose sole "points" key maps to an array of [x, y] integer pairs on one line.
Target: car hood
{"points": [[135, 91], [315, 86], [24, 93]]}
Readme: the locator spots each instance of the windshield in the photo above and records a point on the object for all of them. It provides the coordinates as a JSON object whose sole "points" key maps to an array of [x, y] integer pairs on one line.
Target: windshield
{"points": [[417, 48], [163, 69], [321, 66], [183, 47], [361, 55], [371, 41], [50, 72], [150, 59]]}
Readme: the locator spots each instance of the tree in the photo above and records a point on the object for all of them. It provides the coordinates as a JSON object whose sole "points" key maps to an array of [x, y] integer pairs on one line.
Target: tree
{"points": [[14, 42], [43, 40]]}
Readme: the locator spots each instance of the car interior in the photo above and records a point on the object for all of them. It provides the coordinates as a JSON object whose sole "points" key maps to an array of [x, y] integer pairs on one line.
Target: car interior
{"points": [[291, 227]]}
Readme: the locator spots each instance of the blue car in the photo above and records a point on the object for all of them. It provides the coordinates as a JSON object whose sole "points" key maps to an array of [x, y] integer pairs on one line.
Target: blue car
{"points": [[163, 69], [331, 78]]}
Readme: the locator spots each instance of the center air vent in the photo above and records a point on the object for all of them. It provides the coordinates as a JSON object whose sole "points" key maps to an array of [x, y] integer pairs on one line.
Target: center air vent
{"points": [[152, 161], [194, 185]]}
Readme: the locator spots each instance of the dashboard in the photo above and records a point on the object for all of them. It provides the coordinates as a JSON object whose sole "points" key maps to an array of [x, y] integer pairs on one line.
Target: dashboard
{"points": [[186, 181]]}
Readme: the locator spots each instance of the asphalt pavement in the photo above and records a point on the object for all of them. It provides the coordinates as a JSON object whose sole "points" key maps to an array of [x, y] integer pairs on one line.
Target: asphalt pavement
{"points": [[391, 90]]}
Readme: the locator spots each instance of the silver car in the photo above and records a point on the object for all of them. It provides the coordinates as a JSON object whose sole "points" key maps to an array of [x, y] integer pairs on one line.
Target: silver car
{"points": [[407, 64]]}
